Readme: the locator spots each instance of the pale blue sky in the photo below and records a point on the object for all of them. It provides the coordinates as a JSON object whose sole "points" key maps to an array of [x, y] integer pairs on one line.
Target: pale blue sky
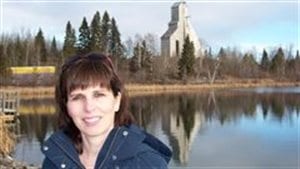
{"points": [[242, 24]]}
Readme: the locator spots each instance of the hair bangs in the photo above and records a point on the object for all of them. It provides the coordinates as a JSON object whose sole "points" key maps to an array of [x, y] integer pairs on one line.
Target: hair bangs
{"points": [[88, 74]]}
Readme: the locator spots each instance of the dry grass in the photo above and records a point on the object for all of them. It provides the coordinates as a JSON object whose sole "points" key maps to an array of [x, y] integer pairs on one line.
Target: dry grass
{"points": [[7, 142], [41, 109], [138, 89], [32, 92], [144, 89]]}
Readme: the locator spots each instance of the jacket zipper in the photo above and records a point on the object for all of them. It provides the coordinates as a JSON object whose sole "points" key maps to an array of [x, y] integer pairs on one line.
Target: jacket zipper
{"points": [[109, 150]]}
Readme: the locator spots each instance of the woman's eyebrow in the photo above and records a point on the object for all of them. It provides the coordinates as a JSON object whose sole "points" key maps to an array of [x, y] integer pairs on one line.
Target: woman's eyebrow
{"points": [[74, 94]]}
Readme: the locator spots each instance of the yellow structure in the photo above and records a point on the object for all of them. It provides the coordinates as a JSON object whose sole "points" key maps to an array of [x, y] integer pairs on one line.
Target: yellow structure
{"points": [[32, 69]]}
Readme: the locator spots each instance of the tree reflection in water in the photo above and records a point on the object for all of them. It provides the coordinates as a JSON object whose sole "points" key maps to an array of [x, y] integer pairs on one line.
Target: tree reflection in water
{"points": [[181, 112]]}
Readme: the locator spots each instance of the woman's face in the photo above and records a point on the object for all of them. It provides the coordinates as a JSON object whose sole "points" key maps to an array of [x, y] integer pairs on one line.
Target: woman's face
{"points": [[93, 109]]}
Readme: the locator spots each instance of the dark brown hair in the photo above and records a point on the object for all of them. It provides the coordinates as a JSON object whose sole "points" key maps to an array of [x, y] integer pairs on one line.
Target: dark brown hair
{"points": [[82, 71]]}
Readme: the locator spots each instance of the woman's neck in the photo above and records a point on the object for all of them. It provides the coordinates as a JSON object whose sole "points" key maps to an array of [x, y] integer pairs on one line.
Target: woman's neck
{"points": [[91, 146]]}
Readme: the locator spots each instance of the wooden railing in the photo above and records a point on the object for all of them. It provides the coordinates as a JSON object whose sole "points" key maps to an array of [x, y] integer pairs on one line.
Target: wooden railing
{"points": [[9, 103]]}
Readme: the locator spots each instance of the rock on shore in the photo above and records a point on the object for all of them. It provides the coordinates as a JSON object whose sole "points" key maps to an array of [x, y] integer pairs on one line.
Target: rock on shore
{"points": [[9, 163]]}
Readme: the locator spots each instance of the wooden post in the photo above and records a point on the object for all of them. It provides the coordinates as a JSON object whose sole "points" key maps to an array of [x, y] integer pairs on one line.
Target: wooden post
{"points": [[1, 103], [17, 103]]}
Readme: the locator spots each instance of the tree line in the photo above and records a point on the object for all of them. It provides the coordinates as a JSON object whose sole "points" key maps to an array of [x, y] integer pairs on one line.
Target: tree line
{"points": [[277, 64], [139, 60]]}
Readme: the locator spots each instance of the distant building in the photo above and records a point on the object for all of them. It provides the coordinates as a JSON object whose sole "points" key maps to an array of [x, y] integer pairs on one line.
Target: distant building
{"points": [[179, 27]]}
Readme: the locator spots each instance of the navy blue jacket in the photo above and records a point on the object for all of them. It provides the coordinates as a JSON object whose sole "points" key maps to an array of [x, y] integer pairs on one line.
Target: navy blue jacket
{"points": [[126, 147]]}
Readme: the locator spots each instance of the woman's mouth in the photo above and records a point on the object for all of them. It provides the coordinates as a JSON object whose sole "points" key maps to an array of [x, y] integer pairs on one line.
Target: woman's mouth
{"points": [[90, 121]]}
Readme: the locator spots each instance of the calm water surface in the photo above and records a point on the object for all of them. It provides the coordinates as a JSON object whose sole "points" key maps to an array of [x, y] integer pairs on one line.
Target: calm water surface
{"points": [[247, 128]]}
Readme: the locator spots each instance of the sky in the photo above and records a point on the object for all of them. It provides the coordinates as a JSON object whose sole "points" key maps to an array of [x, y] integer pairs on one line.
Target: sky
{"points": [[242, 24]]}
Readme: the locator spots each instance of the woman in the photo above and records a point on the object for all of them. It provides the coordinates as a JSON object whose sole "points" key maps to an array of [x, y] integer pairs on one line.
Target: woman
{"points": [[96, 130]]}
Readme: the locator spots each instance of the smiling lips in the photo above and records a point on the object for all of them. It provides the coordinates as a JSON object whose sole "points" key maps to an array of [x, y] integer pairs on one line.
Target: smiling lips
{"points": [[91, 121]]}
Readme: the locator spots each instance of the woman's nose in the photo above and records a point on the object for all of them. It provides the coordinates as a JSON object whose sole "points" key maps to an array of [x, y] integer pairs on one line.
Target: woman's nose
{"points": [[89, 105]]}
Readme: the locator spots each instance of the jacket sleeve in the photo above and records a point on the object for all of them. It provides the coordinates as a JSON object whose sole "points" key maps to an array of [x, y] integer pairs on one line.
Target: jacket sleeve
{"points": [[151, 160], [47, 164]]}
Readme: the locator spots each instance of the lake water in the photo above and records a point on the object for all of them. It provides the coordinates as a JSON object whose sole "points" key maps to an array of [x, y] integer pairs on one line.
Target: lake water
{"points": [[246, 128]]}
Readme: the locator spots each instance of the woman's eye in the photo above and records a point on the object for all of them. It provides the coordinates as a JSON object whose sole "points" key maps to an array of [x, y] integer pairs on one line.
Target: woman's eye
{"points": [[78, 97], [99, 95]]}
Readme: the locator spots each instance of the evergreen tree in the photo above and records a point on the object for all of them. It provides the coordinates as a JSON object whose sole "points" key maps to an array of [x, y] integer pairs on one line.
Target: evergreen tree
{"points": [[84, 39], [187, 60], [209, 53], [146, 57], [40, 47], [116, 47], [19, 52], [225, 63], [9, 54], [105, 32], [69, 48], [4, 64], [265, 62], [144, 53], [249, 59], [96, 33], [135, 60], [222, 53], [53, 50], [249, 65], [278, 63]]}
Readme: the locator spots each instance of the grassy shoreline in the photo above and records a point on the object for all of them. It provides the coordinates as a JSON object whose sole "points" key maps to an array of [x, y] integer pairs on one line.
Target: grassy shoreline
{"points": [[146, 89]]}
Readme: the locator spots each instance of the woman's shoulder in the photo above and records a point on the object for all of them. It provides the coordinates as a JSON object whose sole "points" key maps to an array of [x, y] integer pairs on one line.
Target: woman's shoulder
{"points": [[148, 149], [149, 140], [57, 138], [59, 151]]}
